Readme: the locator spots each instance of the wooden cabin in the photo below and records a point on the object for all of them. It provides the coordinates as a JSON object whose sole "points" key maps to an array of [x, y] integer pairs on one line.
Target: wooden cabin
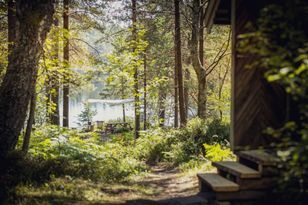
{"points": [[256, 104]]}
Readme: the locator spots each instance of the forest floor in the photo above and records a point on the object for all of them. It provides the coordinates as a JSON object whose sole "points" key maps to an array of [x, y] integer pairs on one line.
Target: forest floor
{"points": [[160, 186], [169, 184]]}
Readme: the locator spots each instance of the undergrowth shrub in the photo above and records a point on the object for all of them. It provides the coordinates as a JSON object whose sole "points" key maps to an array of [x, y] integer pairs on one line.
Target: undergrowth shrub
{"points": [[178, 146], [68, 152], [150, 147], [217, 152], [59, 152]]}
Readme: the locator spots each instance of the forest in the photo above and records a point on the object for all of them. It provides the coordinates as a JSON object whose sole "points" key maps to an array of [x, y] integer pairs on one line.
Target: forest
{"points": [[125, 101]]}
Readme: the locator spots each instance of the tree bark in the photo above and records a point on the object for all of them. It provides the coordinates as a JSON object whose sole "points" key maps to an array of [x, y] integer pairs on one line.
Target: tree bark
{"points": [[145, 93], [26, 141], [161, 107], [201, 36], [195, 57], [178, 63], [66, 88], [202, 97], [54, 95], [34, 19], [48, 96], [123, 110], [176, 99], [11, 16], [186, 91], [221, 88], [136, 73], [176, 87], [123, 97]]}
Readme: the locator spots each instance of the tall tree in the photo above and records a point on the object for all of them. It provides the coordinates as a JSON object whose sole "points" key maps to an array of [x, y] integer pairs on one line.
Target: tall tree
{"points": [[66, 88], [176, 94], [136, 73], [178, 63], [186, 91], [145, 91], [34, 19], [11, 17], [54, 83], [123, 97], [161, 106], [220, 89], [176, 98], [201, 33], [195, 57], [26, 140]]}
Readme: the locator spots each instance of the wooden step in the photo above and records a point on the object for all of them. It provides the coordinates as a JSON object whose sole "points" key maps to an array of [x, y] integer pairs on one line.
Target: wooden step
{"points": [[260, 157], [216, 183], [237, 169], [256, 183], [238, 196]]}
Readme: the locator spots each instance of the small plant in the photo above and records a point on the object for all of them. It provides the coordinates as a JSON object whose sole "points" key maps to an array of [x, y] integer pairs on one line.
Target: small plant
{"points": [[217, 152], [85, 118]]}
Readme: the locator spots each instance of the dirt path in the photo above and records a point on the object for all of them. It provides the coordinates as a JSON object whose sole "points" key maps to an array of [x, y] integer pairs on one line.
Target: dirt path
{"points": [[170, 183], [160, 186], [169, 187]]}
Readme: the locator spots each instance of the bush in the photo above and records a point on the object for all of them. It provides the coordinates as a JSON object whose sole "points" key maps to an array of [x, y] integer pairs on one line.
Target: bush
{"points": [[58, 152], [216, 152], [67, 152], [150, 147], [178, 146], [218, 132]]}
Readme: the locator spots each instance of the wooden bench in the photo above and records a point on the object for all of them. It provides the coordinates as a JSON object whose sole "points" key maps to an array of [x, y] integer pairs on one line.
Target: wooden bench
{"points": [[111, 127]]}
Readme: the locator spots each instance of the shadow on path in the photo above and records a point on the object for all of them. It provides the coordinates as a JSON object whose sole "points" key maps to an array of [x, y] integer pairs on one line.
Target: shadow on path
{"points": [[197, 199]]}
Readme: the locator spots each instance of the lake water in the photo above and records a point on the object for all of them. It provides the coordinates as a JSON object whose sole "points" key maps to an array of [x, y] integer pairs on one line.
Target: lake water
{"points": [[105, 111]]}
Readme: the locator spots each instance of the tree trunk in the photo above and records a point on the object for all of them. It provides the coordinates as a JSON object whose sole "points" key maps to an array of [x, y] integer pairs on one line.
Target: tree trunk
{"points": [[48, 97], [220, 90], [66, 88], [176, 94], [123, 110], [136, 73], [201, 36], [26, 141], [54, 96], [145, 93], [186, 91], [11, 17], [123, 97], [202, 97], [19, 80], [203, 78], [195, 57], [195, 37], [161, 108], [178, 63], [176, 99]]}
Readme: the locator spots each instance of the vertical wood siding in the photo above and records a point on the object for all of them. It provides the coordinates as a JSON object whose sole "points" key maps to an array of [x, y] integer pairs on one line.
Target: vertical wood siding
{"points": [[255, 104]]}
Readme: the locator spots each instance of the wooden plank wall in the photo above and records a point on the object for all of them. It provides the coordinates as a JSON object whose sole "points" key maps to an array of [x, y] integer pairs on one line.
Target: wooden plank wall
{"points": [[255, 104]]}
